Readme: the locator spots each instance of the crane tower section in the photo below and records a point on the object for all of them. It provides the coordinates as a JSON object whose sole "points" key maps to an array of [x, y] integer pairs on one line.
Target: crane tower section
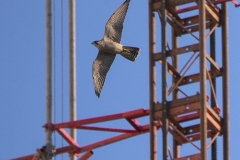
{"points": [[196, 20]]}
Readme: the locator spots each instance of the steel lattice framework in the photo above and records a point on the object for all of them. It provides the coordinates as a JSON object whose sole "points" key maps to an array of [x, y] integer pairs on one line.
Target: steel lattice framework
{"points": [[208, 17], [170, 114]]}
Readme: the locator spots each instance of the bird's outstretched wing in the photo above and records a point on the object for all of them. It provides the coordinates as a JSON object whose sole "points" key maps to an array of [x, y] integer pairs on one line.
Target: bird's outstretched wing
{"points": [[114, 26], [100, 68]]}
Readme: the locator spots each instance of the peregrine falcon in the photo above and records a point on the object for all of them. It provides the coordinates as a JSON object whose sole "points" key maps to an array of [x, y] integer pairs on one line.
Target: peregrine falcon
{"points": [[109, 46]]}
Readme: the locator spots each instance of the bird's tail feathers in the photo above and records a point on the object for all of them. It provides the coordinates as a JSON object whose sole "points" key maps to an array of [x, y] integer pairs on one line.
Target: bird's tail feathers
{"points": [[130, 53]]}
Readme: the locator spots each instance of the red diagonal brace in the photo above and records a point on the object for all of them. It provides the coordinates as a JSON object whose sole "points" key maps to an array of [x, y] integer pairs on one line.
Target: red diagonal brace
{"points": [[67, 137], [145, 129], [134, 123]]}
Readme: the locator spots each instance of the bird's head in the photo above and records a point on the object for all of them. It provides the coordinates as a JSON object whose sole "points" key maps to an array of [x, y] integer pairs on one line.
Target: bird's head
{"points": [[95, 43]]}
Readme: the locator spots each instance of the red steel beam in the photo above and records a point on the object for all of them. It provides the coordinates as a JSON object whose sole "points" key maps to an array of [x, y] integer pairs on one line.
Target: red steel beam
{"points": [[187, 117], [29, 157], [58, 151], [110, 141], [135, 124], [127, 133], [145, 129], [105, 129], [67, 137], [77, 150], [131, 114]]}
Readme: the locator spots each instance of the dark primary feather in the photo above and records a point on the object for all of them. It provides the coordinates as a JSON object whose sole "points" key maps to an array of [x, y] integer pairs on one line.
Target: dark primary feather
{"points": [[101, 66], [114, 26]]}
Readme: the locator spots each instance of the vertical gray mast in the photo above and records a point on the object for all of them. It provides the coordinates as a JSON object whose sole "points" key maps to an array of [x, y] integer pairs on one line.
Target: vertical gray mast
{"points": [[72, 65], [48, 151]]}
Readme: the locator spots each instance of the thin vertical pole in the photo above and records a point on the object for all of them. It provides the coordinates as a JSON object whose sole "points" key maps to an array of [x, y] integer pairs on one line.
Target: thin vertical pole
{"points": [[164, 80], [48, 150], [72, 65], [152, 82], [213, 103], [176, 147], [225, 91], [202, 49]]}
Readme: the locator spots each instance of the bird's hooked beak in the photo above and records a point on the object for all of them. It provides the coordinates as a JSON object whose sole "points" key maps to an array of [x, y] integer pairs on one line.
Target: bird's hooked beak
{"points": [[95, 43]]}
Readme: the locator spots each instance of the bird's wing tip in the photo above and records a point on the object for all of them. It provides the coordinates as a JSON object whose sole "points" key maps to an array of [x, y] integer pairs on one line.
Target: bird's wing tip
{"points": [[97, 94]]}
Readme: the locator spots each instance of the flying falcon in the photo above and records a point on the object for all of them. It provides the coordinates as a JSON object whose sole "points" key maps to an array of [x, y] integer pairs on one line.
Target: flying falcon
{"points": [[110, 46]]}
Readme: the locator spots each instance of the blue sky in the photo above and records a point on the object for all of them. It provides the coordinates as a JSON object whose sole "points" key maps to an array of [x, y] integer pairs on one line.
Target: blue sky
{"points": [[22, 82]]}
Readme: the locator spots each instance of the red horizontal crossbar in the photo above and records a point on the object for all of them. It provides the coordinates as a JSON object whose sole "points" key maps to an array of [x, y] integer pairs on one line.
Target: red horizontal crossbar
{"points": [[105, 129], [132, 114], [187, 117]]}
